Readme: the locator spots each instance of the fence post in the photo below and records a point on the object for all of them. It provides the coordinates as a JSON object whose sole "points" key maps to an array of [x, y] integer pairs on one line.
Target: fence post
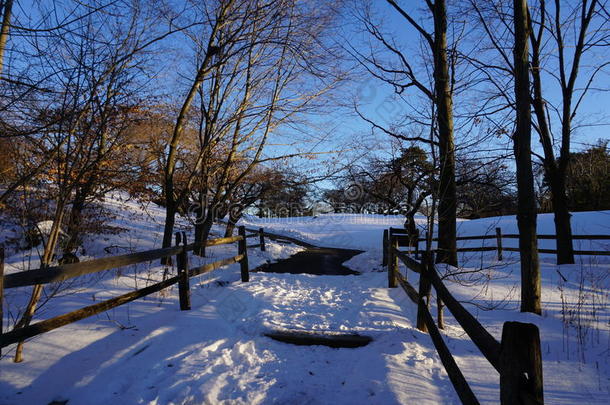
{"points": [[520, 365], [384, 260], [424, 290], [243, 250], [184, 290], [1, 290], [393, 262], [261, 235], [499, 242]]}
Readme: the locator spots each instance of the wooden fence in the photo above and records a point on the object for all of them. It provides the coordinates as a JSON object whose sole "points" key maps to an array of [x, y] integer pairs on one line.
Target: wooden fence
{"points": [[517, 358], [277, 237], [67, 271], [403, 240]]}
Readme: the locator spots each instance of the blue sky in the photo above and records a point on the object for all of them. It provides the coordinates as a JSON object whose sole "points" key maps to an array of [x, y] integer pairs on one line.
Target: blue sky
{"points": [[378, 101]]}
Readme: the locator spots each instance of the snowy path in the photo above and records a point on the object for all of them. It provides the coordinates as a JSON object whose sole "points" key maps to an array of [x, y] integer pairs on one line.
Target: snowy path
{"points": [[216, 352]]}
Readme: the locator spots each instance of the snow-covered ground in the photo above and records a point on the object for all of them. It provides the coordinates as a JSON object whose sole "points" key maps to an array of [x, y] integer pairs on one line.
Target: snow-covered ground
{"points": [[150, 352], [576, 321]]}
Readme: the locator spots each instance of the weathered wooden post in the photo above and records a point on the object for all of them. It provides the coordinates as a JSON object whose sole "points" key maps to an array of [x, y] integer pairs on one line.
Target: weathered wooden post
{"points": [[243, 250], [499, 242], [261, 235], [184, 290], [424, 290], [393, 262], [1, 290], [520, 365], [384, 260]]}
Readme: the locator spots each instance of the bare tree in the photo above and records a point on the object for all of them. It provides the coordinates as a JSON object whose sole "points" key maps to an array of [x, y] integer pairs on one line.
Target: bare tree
{"points": [[580, 21], [526, 198], [218, 20], [401, 183], [564, 37], [260, 69], [83, 117], [404, 76], [485, 188]]}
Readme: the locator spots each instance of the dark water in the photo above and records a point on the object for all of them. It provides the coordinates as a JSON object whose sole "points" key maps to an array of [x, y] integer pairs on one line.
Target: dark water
{"points": [[315, 260]]}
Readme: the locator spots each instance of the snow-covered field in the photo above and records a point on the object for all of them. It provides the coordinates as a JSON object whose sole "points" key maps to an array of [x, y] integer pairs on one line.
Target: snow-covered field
{"points": [[150, 352]]}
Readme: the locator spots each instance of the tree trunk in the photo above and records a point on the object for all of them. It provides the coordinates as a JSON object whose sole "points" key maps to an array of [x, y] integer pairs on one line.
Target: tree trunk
{"points": [[172, 156], [73, 228], [49, 248], [4, 31], [231, 224], [202, 230], [200, 215], [229, 230], [447, 205], [170, 220], [554, 170], [412, 230], [526, 204], [563, 228]]}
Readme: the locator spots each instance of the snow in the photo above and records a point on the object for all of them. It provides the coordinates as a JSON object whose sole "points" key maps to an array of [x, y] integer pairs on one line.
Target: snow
{"points": [[151, 352], [216, 353], [351, 231]]}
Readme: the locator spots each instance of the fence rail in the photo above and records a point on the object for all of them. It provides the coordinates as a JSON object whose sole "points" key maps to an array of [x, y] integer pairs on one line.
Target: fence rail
{"points": [[403, 239], [516, 236], [453, 371], [517, 358], [68, 271]]}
